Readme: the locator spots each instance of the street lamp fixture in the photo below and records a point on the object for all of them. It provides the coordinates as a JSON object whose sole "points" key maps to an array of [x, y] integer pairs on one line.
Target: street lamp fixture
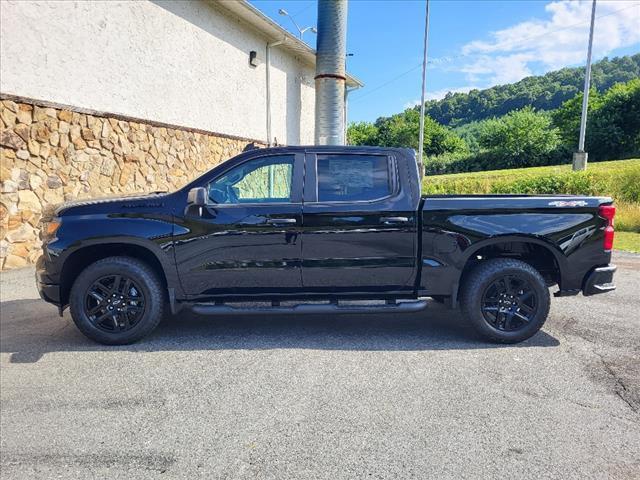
{"points": [[301, 31]]}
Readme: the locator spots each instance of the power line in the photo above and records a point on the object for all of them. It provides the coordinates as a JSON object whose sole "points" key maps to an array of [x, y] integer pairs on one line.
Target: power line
{"points": [[447, 59], [311, 4], [387, 82]]}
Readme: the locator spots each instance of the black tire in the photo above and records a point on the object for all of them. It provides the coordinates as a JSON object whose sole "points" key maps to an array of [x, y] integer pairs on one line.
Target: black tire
{"points": [[499, 294], [134, 321]]}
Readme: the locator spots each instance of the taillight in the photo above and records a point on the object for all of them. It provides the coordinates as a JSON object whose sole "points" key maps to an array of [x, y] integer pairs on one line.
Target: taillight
{"points": [[608, 212]]}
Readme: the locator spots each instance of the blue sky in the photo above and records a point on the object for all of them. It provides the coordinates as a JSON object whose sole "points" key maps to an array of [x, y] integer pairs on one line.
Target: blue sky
{"points": [[472, 43]]}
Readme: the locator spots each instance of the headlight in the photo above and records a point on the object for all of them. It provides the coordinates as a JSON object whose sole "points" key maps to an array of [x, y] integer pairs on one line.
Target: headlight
{"points": [[50, 228]]}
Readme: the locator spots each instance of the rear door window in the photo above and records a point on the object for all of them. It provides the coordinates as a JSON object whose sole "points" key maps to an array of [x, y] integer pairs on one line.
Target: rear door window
{"points": [[352, 178]]}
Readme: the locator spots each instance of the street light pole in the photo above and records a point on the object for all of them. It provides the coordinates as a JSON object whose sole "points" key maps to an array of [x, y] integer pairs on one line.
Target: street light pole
{"points": [[301, 31], [580, 157], [424, 84]]}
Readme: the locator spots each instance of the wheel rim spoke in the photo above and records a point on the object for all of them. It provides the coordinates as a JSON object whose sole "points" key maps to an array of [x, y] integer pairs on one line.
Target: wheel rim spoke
{"points": [[525, 296], [507, 320], [103, 317], [95, 309], [526, 309], [126, 287], [97, 296]]}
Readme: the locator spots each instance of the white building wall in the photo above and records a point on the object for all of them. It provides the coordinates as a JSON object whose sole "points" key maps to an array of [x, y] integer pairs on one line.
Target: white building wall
{"points": [[178, 62]]}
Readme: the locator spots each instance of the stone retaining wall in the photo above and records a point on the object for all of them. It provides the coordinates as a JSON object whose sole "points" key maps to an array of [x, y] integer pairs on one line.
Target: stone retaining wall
{"points": [[50, 155]]}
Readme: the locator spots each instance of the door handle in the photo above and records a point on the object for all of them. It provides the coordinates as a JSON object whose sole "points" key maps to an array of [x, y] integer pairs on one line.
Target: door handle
{"points": [[280, 221], [394, 220]]}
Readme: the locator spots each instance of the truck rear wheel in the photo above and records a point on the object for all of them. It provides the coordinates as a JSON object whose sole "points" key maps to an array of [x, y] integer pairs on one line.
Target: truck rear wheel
{"points": [[117, 300], [506, 300]]}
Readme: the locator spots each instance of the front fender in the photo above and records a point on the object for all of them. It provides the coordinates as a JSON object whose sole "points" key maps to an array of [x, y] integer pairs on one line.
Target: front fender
{"points": [[115, 232]]}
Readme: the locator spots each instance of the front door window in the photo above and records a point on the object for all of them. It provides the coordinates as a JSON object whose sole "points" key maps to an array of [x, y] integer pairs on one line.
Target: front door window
{"points": [[262, 180]]}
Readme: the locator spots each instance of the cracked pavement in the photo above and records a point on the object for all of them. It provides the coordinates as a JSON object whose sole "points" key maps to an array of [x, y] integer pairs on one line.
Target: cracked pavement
{"points": [[412, 396]]}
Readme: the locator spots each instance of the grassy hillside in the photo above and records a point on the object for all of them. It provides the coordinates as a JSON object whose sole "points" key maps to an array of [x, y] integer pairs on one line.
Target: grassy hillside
{"points": [[618, 179]]}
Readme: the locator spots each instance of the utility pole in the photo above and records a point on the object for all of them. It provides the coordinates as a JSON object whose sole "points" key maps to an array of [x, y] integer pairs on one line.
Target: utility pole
{"points": [[580, 157], [424, 85]]}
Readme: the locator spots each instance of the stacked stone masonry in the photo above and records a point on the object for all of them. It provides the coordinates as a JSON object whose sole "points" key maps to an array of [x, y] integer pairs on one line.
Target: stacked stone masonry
{"points": [[51, 155]]}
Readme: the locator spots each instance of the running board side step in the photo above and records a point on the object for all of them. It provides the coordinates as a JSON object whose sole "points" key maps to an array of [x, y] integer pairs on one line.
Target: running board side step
{"points": [[400, 307]]}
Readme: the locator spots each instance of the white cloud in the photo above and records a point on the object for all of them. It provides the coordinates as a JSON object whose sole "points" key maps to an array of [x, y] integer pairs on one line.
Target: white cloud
{"points": [[557, 41], [439, 94]]}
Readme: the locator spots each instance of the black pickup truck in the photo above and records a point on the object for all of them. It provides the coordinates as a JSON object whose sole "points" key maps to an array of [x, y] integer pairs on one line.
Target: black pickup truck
{"points": [[321, 230]]}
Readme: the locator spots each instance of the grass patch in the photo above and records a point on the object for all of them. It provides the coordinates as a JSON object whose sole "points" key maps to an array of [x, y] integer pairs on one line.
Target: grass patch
{"points": [[619, 179], [627, 241], [535, 171], [627, 217]]}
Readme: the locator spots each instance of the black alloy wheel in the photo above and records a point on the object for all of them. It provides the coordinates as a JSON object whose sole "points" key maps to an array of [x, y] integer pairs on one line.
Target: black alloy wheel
{"points": [[505, 299], [509, 303], [117, 300], [114, 303]]}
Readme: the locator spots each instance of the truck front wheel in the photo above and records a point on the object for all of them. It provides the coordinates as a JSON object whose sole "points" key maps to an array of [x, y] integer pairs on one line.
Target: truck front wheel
{"points": [[506, 300], [117, 300]]}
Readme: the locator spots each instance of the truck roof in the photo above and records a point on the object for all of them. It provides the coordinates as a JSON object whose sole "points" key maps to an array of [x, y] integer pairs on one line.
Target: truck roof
{"points": [[336, 148]]}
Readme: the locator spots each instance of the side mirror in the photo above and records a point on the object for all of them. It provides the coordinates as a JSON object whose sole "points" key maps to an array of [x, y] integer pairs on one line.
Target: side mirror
{"points": [[197, 196]]}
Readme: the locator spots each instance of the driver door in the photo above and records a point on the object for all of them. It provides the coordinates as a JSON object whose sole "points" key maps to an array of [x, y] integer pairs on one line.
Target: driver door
{"points": [[246, 239]]}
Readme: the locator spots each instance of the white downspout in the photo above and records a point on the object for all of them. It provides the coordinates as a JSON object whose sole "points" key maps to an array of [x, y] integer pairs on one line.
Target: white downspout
{"points": [[347, 91], [268, 74]]}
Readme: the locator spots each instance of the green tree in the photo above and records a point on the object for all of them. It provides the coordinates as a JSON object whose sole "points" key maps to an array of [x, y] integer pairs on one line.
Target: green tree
{"points": [[399, 130], [567, 117], [470, 133], [613, 130], [403, 129], [362, 133], [519, 138]]}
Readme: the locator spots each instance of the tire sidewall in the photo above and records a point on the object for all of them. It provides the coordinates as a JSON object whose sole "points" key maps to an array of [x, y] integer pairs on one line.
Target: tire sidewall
{"points": [[482, 279], [143, 277]]}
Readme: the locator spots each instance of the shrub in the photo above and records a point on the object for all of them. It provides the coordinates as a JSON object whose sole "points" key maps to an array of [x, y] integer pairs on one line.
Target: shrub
{"points": [[362, 133], [520, 138]]}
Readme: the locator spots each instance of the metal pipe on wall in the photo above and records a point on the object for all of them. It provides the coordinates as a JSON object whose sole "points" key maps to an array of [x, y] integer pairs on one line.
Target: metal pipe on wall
{"points": [[268, 77], [330, 72], [347, 91]]}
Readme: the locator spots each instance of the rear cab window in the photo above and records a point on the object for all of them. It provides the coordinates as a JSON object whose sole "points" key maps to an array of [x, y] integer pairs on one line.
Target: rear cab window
{"points": [[353, 178]]}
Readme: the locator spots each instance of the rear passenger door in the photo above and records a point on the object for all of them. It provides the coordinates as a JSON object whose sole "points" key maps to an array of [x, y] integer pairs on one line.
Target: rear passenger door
{"points": [[359, 224]]}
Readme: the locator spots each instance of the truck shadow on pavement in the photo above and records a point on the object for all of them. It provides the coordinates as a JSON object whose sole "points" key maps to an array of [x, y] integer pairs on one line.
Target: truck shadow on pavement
{"points": [[31, 328]]}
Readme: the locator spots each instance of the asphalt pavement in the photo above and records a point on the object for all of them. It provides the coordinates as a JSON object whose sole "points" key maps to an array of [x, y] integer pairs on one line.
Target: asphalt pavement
{"points": [[366, 396]]}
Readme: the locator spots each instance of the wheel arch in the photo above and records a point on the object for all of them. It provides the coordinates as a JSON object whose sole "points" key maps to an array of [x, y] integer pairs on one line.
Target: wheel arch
{"points": [[79, 259], [539, 253]]}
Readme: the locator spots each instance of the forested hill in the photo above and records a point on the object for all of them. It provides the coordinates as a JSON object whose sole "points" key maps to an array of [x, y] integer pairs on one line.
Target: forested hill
{"points": [[545, 92]]}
